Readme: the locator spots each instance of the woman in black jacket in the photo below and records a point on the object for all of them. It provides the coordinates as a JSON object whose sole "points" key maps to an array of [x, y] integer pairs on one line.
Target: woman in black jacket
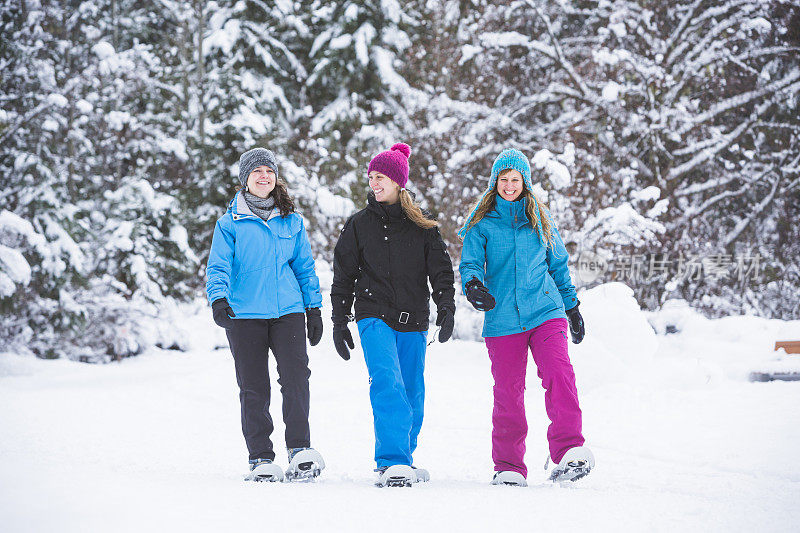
{"points": [[383, 259]]}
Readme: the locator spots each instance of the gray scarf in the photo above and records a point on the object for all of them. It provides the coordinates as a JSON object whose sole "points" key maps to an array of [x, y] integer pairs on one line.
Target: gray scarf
{"points": [[261, 207]]}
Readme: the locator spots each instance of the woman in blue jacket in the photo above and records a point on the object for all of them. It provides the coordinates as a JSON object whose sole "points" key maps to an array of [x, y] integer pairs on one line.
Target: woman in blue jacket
{"points": [[261, 280], [514, 267]]}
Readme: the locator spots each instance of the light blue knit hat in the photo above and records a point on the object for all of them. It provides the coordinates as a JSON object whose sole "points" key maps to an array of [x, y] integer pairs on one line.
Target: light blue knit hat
{"points": [[507, 159], [511, 159]]}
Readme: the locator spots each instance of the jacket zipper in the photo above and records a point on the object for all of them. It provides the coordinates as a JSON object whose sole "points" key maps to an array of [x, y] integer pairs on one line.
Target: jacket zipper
{"points": [[236, 218], [516, 303]]}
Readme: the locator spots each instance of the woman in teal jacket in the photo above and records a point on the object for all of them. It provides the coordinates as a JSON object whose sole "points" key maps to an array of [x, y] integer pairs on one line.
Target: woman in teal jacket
{"points": [[260, 281], [514, 267]]}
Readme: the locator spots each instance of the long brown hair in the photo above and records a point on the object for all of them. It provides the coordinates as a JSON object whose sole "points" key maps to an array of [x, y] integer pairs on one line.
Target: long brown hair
{"points": [[283, 201], [535, 209], [413, 212]]}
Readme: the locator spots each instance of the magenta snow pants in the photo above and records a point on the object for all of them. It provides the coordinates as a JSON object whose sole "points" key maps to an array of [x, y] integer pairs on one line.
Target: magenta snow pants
{"points": [[509, 355]]}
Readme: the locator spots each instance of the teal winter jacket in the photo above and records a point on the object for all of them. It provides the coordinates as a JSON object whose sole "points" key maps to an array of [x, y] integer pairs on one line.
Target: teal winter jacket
{"points": [[264, 268], [530, 284]]}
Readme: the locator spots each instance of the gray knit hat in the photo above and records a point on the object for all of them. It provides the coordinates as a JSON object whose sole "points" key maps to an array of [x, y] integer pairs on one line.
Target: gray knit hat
{"points": [[253, 159]]}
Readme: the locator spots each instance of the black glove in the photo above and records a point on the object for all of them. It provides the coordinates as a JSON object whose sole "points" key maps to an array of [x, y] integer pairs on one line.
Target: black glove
{"points": [[314, 325], [576, 324], [342, 339], [223, 312], [446, 319], [478, 295]]}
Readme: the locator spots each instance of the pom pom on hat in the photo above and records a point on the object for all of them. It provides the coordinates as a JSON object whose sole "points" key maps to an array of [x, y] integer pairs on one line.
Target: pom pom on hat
{"points": [[403, 148]]}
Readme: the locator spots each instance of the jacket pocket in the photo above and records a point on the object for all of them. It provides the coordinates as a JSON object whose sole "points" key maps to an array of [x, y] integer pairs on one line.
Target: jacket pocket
{"points": [[551, 290], [286, 245], [363, 290], [249, 292], [557, 336], [244, 273], [539, 277], [287, 232]]}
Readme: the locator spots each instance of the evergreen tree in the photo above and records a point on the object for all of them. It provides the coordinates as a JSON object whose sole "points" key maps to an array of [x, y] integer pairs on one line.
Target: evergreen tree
{"points": [[661, 133], [100, 243], [666, 110], [354, 95]]}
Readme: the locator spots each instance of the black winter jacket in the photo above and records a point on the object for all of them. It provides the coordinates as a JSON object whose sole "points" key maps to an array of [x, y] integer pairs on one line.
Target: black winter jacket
{"points": [[384, 260]]}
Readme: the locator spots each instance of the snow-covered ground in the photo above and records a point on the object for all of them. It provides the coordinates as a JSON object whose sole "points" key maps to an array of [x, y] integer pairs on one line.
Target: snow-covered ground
{"points": [[683, 441]]}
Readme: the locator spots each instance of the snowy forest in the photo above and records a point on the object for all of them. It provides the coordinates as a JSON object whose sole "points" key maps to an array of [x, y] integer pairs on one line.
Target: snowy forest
{"points": [[662, 137]]}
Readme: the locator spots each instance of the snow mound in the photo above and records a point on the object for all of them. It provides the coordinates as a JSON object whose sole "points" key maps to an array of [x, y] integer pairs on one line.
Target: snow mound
{"points": [[619, 345], [617, 321]]}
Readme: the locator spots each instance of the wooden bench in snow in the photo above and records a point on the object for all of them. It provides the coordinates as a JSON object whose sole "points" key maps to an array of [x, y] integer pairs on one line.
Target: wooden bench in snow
{"points": [[788, 375], [789, 346]]}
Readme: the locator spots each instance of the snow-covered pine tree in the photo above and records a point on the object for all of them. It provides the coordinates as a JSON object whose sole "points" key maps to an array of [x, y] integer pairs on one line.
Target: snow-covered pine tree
{"points": [[101, 245], [667, 131], [448, 118], [255, 94], [247, 92], [680, 118], [39, 236], [354, 98], [486, 92], [696, 102]]}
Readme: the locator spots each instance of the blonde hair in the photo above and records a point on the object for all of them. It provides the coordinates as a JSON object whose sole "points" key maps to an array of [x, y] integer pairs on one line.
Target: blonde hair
{"points": [[535, 209], [413, 212], [410, 208]]}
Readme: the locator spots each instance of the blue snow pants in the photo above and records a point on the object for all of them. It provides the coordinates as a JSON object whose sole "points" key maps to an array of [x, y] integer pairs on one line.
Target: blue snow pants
{"points": [[396, 364]]}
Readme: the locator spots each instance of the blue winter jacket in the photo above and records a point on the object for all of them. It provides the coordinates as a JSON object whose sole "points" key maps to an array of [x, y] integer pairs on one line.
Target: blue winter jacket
{"points": [[264, 268], [530, 284]]}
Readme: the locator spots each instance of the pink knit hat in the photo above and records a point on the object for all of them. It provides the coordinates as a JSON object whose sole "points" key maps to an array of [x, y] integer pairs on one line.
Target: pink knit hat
{"points": [[393, 163]]}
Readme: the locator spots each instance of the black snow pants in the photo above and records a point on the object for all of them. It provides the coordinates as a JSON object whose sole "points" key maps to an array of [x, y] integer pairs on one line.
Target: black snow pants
{"points": [[285, 337]]}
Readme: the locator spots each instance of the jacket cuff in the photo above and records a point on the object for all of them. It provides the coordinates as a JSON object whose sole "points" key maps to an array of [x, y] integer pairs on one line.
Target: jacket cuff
{"points": [[219, 302], [340, 320], [471, 282], [450, 304], [217, 295], [574, 307]]}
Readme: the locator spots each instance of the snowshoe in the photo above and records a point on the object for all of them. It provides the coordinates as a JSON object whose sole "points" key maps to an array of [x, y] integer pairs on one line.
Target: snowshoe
{"points": [[575, 464], [396, 476], [510, 478], [422, 474], [305, 464], [264, 470]]}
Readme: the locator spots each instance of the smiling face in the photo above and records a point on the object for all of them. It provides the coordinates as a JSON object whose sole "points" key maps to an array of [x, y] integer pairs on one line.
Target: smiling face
{"points": [[510, 184], [386, 190], [261, 181]]}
